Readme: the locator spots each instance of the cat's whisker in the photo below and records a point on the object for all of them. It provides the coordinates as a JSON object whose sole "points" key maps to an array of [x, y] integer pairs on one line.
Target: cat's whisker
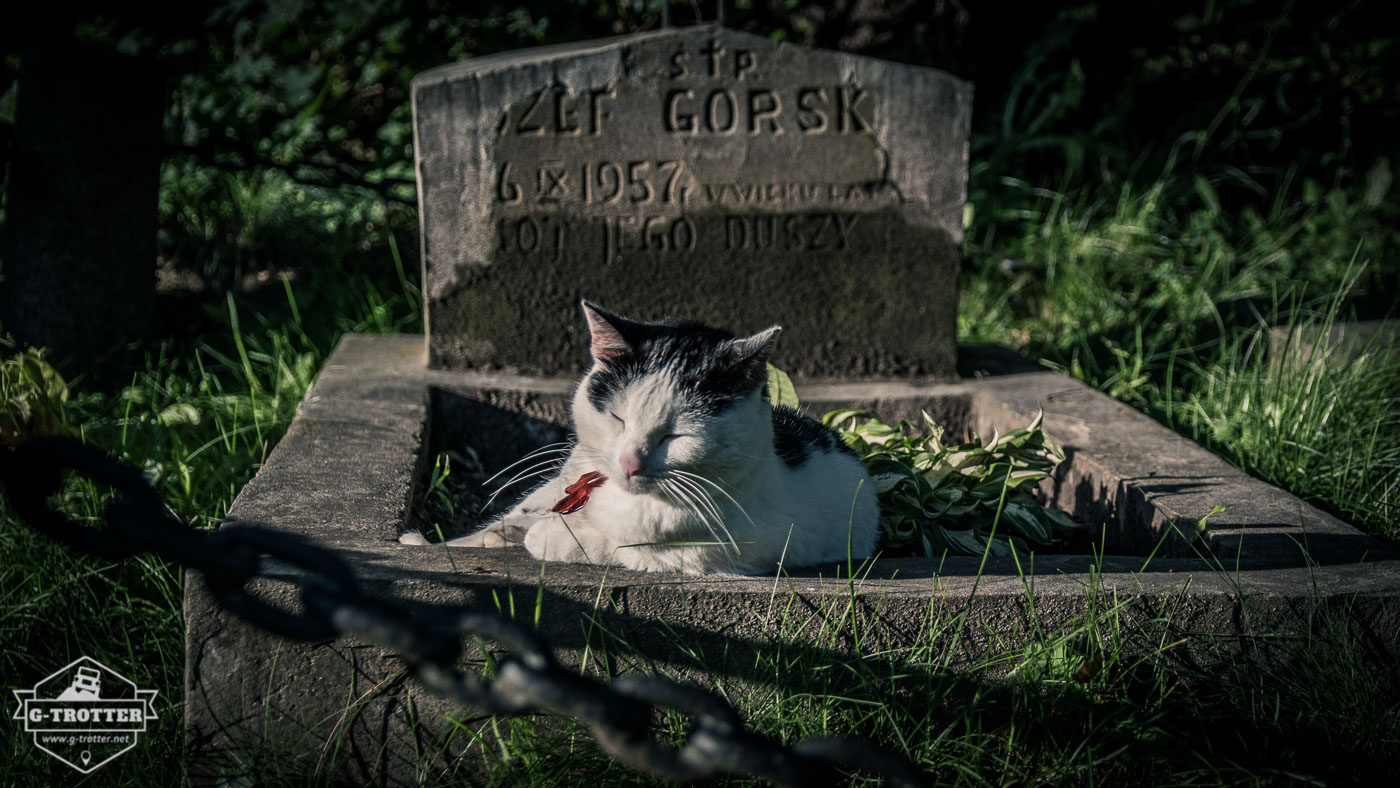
{"points": [[720, 483], [522, 476], [697, 504], [561, 447], [592, 456], [589, 456], [705, 499], [684, 503], [697, 477], [704, 495], [533, 470]]}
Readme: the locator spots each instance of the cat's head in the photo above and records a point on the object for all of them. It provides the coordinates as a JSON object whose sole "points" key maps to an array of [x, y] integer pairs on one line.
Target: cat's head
{"points": [[672, 395]]}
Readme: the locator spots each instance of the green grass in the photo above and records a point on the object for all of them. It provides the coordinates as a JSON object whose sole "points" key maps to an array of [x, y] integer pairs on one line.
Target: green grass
{"points": [[1161, 300], [1316, 415]]}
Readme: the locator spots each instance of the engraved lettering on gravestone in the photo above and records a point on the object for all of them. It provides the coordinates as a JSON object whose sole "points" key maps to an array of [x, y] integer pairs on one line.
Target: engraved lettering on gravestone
{"points": [[744, 63], [556, 112], [823, 232], [723, 112], [606, 203], [601, 182]]}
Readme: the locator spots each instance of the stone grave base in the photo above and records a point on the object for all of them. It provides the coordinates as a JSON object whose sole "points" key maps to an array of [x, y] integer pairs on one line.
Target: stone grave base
{"points": [[346, 473]]}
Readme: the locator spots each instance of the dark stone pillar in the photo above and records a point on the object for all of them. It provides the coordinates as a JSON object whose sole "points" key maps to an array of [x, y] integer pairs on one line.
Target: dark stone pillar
{"points": [[79, 246]]}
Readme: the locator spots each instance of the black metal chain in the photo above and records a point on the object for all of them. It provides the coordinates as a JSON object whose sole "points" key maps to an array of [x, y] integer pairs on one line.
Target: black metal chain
{"points": [[428, 637]]}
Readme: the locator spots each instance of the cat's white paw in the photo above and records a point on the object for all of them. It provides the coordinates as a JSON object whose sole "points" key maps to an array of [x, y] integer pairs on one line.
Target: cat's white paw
{"points": [[496, 535], [557, 540]]}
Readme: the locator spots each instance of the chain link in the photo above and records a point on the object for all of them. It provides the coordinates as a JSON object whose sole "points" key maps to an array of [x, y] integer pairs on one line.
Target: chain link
{"points": [[427, 637]]}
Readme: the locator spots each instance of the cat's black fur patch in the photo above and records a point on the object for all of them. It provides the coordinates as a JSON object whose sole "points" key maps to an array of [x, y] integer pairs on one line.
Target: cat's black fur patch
{"points": [[686, 350], [795, 435]]}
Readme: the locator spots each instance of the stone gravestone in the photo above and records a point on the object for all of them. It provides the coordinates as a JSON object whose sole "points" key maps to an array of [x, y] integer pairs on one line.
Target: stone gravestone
{"points": [[701, 173]]}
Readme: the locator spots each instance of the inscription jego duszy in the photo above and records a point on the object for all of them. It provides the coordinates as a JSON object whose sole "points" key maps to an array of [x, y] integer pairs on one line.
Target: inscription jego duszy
{"points": [[718, 153]]}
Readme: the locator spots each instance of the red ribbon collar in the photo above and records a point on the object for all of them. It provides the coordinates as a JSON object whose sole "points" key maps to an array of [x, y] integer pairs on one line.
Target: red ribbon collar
{"points": [[578, 493]]}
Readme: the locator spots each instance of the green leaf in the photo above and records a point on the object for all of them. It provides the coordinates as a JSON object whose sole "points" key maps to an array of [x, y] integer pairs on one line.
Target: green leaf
{"points": [[780, 388], [179, 413], [1201, 524], [837, 418], [1024, 523], [887, 481], [1059, 519], [1019, 477]]}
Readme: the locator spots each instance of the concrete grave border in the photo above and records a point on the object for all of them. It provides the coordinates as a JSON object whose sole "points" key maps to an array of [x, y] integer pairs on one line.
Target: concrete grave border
{"points": [[344, 477]]}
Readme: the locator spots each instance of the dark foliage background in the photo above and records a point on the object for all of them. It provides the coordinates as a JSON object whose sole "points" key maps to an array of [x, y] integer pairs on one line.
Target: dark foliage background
{"points": [[1256, 95]]}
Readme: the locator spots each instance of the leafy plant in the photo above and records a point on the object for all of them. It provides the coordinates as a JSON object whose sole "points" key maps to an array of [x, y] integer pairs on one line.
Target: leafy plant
{"points": [[966, 498], [780, 388], [33, 392]]}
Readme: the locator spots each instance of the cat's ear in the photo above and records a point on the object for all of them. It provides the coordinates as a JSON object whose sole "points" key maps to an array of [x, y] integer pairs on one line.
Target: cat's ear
{"points": [[752, 355], [607, 334]]}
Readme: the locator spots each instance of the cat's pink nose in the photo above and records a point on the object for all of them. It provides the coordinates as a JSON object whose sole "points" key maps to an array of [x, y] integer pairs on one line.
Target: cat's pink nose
{"points": [[632, 463]]}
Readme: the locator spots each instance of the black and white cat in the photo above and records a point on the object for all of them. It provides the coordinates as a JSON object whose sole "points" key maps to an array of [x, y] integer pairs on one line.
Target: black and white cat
{"points": [[680, 463]]}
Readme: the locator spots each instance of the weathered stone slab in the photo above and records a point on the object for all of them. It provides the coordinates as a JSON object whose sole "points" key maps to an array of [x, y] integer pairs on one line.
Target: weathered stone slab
{"points": [[261, 709], [699, 172]]}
